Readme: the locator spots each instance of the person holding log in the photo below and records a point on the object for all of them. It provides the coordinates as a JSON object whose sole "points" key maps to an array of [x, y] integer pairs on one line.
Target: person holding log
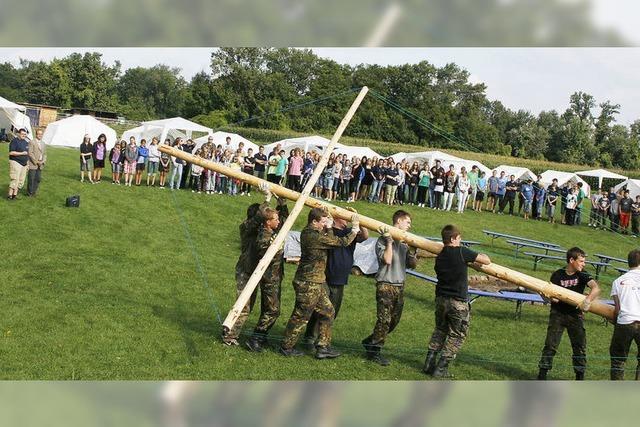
{"points": [[393, 258], [566, 316], [339, 265], [270, 284], [452, 304], [310, 285], [248, 259], [625, 291]]}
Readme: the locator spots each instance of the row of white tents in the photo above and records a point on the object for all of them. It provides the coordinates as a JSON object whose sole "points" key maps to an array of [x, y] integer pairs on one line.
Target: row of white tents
{"points": [[69, 132]]}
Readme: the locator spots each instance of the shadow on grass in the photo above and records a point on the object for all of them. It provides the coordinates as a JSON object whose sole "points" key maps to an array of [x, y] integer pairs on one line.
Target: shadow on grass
{"points": [[189, 325]]}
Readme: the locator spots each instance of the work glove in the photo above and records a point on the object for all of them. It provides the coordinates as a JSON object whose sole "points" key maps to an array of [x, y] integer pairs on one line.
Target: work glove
{"points": [[585, 305], [266, 190], [355, 222], [385, 232]]}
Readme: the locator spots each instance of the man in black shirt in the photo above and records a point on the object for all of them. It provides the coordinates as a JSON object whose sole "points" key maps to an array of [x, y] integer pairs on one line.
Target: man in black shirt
{"points": [[18, 158], [510, 195], [452, 306], [260, 161], [565, 316]]}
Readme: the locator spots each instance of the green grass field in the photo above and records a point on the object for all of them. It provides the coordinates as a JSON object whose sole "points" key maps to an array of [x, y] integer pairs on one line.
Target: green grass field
{"points": [[134, 283]]}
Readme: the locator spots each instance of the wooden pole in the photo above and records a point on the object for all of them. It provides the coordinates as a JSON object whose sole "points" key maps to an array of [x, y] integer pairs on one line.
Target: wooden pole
{"points": [[537, 285], [255, 278]]}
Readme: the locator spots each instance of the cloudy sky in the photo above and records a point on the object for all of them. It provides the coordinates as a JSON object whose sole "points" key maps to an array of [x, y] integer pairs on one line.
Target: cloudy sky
{"points": [[533, 79]]}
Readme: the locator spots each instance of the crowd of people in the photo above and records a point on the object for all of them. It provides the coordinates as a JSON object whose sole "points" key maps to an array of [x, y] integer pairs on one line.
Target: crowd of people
{"points": [[376, 180]]}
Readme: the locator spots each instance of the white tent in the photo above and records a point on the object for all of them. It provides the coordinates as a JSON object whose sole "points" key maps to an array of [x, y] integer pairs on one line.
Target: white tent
{"points": [[220, 138], [633, 185], [176, 123], [564, 178], [430, 158], [70, 132], [12, 117], [306, 143], [360, 152], [520, 173], [141, 133], [601, 174]]}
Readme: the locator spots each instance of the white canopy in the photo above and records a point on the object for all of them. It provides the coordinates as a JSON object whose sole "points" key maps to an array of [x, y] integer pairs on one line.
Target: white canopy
{"points": [[220, 138], [633, 185], [520, 173], [430, 158], [141, 133], [70, 132], [306, 143], [177, 123], [360, 152], [601, 174], [564, 178], [12, 117]]}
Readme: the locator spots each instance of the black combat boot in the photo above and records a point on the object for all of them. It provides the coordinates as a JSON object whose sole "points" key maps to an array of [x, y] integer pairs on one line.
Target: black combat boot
{"points": [[542, 374], [291, 352], [327, 353], [618, 375], [254, 344], [579, 375], [442, 368], [376, 357], [430, 363]]}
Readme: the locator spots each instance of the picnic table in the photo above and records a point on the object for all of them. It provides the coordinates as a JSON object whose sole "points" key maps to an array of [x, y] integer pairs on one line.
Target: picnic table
{"points": [[467, 243], [621, 270], [495, 235], [520, 244], [608, 259], [539, 257]]}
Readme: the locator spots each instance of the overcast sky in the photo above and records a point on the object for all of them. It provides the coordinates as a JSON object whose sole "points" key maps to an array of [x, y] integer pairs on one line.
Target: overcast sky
{"points": [[529, 79]]}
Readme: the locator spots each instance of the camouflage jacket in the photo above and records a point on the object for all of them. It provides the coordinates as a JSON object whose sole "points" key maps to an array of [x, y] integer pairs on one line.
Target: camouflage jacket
{"points": [[275, 270], [314, 245]]}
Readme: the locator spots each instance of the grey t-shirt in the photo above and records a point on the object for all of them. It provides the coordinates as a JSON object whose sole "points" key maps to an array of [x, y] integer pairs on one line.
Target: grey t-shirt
{"points": [[395, 273]]}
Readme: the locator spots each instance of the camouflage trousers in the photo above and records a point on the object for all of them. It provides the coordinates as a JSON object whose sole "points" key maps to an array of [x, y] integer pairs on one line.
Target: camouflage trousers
{"points": [[452, 324], [241, 281], [574, 325], [269, 307], [389, 301], [623, 335], [336, 293], [310, 298]]}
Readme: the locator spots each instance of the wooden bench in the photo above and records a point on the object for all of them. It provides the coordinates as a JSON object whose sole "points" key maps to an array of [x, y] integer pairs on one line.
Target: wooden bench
{"points": [[539, 257], [520, 244], [495, 235]]}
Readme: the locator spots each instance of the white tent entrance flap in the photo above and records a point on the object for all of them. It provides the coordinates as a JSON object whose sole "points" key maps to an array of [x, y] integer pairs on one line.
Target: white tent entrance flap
{"points": [[12, 118], [601, 174]]}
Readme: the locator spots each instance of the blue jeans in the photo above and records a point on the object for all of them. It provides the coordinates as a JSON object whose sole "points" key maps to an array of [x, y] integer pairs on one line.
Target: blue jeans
{"points": [[177, 170], [376, 187]]}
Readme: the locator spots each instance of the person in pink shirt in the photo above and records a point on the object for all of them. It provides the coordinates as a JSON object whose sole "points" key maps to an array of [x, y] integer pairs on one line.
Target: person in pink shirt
{"points": [[295, 170]]}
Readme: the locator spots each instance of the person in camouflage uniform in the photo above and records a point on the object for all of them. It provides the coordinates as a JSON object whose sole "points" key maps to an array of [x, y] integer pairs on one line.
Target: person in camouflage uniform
{"points": [[272, 277], [247, 261], [452, 306], [309, 283], [393, 257]]}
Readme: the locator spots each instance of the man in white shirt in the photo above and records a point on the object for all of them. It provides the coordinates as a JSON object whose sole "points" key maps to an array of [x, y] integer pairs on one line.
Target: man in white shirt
{"points": [[625, 291]]}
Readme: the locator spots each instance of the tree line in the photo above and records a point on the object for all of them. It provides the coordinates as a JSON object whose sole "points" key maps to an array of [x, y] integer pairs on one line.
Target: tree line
{"points": [[294, 89]]}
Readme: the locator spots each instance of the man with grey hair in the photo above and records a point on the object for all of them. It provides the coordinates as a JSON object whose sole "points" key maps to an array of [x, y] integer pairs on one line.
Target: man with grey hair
{"points": [[37, 159]]}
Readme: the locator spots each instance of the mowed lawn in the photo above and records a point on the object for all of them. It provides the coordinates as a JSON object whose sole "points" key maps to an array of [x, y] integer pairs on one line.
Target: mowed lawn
{"points": [[135, 283]]}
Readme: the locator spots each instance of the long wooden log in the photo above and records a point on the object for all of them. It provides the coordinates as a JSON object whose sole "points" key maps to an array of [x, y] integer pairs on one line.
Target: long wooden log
{"points": [[532, 283], [257, 274]]}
